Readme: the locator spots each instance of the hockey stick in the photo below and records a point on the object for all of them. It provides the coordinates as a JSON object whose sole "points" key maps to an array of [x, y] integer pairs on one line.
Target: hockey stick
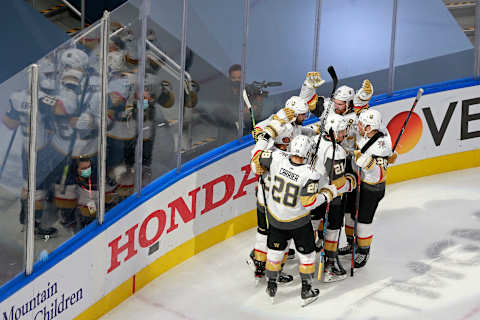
{"points": [[249, 106], [68, 158], [327, 209], [419, 95], [357, 206], [8, 151], [262, 182], [333, 75], [364, 149]]}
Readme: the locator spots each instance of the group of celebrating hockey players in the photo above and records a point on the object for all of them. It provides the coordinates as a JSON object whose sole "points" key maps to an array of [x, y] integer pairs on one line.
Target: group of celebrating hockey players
{"points": [[68, 129], [314, 178]]}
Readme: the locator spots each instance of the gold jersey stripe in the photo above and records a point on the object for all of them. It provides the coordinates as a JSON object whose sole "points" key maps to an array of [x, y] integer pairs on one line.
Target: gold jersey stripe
{"points": [[308, 200], [340, 182], [288, 220]]}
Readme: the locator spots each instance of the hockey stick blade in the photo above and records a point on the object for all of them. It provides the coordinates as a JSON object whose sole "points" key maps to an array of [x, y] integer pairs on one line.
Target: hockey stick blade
{"points": [[247, 101], [333, 75], [249, 106]]}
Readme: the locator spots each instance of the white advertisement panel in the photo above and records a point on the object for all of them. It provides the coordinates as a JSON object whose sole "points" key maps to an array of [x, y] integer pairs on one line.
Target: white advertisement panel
{"points": [[204, 199], [442, 123]]}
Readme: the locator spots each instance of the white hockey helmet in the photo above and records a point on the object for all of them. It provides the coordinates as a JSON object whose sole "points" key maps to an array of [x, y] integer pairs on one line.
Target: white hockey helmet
{"points": [[335, 122], [372, 118], [74, 58], [46, 76], [151, 83], [300, 146], [297, 104], [116, 61], [344, 93], [71, 77]]}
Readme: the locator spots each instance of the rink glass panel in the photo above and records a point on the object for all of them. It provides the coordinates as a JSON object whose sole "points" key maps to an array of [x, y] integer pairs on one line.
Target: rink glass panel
{"points": [[280, 49], [442, 52], [214, 44], [162, 87], [13, 179], [67, 139]]}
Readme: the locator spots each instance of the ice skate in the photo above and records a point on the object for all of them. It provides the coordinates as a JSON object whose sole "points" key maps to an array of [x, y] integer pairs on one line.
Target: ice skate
{"points": [[271, 289], [45, 233], [308, 294], [258, 267], [284, 278], [333, 271], [361, 258]]}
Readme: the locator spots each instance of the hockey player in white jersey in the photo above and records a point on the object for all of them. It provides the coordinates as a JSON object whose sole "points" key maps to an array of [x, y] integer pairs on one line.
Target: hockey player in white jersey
{"points": [[258, 256], [18, 118], [75, 122], [335, 130], [294, 191], [321, 106], [360, 103], [312, 81], [373, 155], [294, 112], [122, 129]]}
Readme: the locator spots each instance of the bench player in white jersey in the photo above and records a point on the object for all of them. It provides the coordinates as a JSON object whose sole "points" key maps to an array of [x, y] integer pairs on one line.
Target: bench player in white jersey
{"points": [[258, 256], [373, 155], [294, 191], [18, 118], [335, 128], [75, 120]]}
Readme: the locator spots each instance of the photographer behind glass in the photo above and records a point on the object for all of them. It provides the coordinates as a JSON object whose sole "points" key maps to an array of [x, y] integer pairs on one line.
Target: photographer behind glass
{"points": [[256, 95]]}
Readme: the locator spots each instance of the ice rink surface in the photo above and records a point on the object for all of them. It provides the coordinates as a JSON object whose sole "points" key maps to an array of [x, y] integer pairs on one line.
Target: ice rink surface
{"points": [[425, 264]]}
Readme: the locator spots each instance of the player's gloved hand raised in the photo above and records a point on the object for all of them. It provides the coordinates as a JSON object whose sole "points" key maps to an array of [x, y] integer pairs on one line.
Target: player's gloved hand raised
{"points": [[329, 191], [314, 79], [364, 94]]}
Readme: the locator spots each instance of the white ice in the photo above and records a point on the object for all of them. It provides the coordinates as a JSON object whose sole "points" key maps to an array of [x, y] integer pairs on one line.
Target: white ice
{"points": [[425, 264]]}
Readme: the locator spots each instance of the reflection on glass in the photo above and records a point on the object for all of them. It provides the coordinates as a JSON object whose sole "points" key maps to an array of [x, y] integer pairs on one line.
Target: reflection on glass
{"points": [[161, 101], [13, 173], [66, 196], [211, 114]]}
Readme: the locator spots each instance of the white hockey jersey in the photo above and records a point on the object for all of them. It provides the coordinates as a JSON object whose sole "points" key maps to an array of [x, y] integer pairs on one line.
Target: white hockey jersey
{"points": [[293, 190], [85, 140], [350, 137], [323, 164], [376, 171], [20, 105]]}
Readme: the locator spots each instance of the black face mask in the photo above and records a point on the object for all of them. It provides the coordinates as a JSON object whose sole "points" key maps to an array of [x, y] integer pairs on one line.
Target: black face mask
{"points": [[235, 84]]}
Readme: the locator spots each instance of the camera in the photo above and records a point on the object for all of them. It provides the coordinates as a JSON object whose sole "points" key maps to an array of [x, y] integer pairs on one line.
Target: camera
{"points": [[257, 89]]}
